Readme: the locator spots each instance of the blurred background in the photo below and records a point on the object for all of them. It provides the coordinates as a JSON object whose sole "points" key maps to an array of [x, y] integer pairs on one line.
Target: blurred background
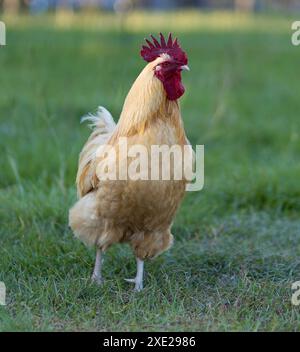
{"points": [[237, 244], [38, 6]]}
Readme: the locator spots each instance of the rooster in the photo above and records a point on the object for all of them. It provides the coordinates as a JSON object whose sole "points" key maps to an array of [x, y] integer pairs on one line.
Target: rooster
{"points": [[139, 212]]}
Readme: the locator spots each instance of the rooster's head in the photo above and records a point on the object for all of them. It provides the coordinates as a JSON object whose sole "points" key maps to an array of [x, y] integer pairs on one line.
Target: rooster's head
{"points": [[172, 61]]}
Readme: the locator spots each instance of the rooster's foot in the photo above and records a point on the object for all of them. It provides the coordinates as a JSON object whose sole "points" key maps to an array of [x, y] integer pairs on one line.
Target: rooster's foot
{"points": [[138, 284], [97, 279], [138, 280]]}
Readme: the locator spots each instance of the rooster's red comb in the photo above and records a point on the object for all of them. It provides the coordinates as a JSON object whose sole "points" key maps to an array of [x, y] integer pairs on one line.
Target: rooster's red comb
{"points": [[170, 47]]}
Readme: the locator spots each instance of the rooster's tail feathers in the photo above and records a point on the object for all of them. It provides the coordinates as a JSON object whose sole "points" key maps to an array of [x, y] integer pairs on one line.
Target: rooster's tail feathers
{"points": [[102, 119], [103, 126]]}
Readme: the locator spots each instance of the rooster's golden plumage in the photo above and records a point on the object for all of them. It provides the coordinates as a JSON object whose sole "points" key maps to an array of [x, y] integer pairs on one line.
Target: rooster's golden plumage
{"points": [[136, 211]]}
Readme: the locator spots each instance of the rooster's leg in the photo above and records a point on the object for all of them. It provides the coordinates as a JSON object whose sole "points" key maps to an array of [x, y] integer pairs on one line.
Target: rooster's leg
{"points": [[97, 276], [138, 280]]}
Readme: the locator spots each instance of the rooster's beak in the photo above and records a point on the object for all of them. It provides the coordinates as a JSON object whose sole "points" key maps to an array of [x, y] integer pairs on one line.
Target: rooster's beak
{"points": [[185, 68]]}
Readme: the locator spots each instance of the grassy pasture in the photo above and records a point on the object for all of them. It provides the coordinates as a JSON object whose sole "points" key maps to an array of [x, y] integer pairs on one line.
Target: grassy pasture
{"points": [[237, 245]]}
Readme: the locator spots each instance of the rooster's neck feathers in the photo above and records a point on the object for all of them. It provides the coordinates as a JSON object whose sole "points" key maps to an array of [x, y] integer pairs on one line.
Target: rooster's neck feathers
{"points": [[146, 102]]}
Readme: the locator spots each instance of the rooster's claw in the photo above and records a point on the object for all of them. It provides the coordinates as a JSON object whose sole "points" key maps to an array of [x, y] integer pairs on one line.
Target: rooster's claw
{"points": [[138, 284], [97, 279]]}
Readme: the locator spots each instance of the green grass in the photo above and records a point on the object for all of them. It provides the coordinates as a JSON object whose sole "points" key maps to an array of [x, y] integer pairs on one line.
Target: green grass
{"points": [[237, 245]]}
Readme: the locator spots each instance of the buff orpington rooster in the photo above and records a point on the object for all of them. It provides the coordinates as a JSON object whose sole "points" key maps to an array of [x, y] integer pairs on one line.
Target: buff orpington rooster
{"points": [[140, 211]]}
